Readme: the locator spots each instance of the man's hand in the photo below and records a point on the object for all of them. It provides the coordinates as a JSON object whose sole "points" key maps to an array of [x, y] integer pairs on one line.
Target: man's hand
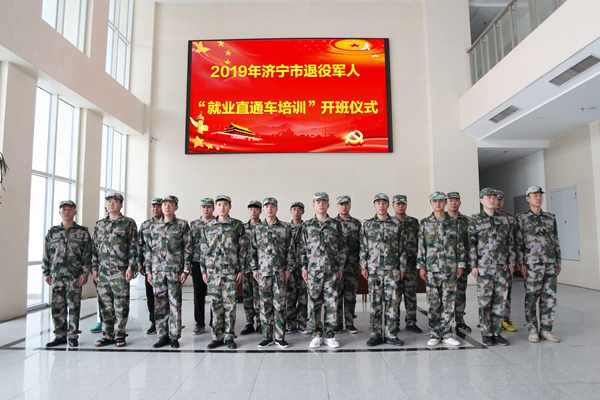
{"points": [[205, 278], [475, 272], [287, 275], [340, 274], [459, 272], [183, 277], [128, 275], [49, 280], [511, 268], [365, 273], [83, 280], [524, 271], [95, 276], [255, 275], [305, 275], [558, 269], [423, 274], [150, 279], [239, 278], [402, 273], [141, 270]]}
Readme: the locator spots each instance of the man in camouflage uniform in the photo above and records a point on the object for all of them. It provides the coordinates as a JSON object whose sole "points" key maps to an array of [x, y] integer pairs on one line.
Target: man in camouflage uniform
{"points": [[506, 324], [383, 264], [492, 260], [539, 252], [323, 255], [168, 262], [66, 265], [441, 260], [207, 208], [348, 285], [271, 261], [250, 286], [114, 260], [407, 287], [461, 283], [144, 237], [221, 255], [297, 294]]}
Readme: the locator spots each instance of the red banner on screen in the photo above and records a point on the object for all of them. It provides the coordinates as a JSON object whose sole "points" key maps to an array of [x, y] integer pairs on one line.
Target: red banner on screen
{"points": [[288, 95]]}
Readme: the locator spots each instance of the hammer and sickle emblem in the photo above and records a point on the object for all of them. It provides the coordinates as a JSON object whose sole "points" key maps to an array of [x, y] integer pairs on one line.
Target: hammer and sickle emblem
{"points": [[354, 138]]}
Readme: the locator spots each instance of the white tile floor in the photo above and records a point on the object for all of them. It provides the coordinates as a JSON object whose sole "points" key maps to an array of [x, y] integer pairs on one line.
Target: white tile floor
{"points": [[570, 369]]}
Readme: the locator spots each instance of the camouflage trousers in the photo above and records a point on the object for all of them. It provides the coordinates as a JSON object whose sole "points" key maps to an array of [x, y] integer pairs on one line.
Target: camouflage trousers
{"points": [[346, 303], [441, 294], [461, 297], [167, 303], [66, 298], [251, 299], [407, 289], [540, 285], [222, 289], [272, 305], [322, 294], [113, 300], [296, 302], [383, 290], [491, 296], [508, 293]]}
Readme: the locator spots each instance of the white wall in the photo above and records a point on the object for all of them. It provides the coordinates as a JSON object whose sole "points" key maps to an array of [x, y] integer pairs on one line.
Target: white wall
{"points": [[572, 160], [424, 96], [515, 177]]}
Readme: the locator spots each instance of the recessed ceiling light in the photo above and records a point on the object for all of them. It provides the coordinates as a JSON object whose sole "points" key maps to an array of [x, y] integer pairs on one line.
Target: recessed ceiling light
{"points": [[540, 118]]}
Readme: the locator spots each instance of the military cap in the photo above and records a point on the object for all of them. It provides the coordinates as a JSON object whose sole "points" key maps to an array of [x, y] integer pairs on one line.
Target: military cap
{"points": [[207, 201], [113, 195], [269, 200], [399, 198], [254, 203], [500, 194], [172, 198], [343, 199], [298, 204], [453, 195], [534, 189], [381, 196], [223, 197], [157, 200], [487, 192], [67, 203], [438, 196], [320, 196]]}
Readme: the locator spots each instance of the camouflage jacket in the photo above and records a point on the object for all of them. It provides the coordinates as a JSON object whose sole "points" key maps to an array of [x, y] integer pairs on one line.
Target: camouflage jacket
{"points": [[143, 238], [411, 233], [537, 238], [222, 247], [115, 244], [270, 249], [197, 230], [248, 228], [322, 246], [491, 242], [513, 222], [67, 252], [170, 247], [382, 245], [295, 246], [441, 248], [351, 230]]}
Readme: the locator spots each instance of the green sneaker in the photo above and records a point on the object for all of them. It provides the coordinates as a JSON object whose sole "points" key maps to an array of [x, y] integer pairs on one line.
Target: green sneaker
{"points": [[97, 328]]}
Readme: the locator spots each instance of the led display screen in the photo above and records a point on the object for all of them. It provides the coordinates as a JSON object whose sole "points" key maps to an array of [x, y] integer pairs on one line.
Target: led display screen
{"points": [[288, 96]]}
